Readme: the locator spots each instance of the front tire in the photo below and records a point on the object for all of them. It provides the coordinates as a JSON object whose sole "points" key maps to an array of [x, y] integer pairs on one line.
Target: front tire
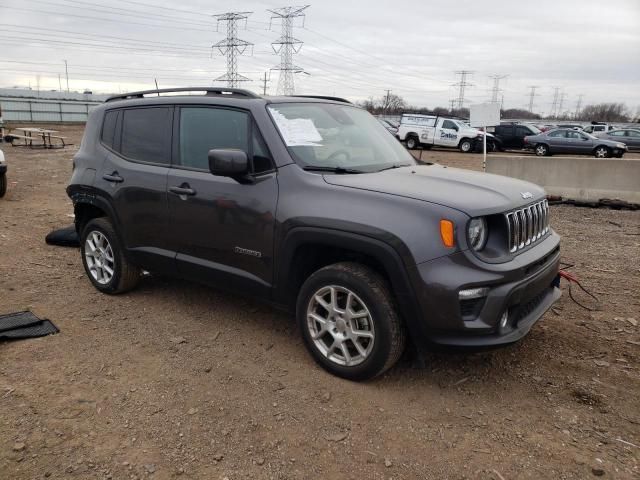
{"points": [[349, 321], [3, 184], [104, 260], [466, 145], [542, 150], [602, 152]]}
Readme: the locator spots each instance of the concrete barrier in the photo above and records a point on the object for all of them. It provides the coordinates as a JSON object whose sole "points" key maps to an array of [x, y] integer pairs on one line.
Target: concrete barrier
{"points": [[575, 178]]}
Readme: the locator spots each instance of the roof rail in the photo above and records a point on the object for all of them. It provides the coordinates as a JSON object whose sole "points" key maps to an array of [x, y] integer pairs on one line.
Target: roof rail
{"points": [[209, 91], [323, 97]]}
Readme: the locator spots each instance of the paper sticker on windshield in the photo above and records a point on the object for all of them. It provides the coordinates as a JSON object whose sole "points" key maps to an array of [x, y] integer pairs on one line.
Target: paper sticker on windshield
{"points": [[297, 131]]}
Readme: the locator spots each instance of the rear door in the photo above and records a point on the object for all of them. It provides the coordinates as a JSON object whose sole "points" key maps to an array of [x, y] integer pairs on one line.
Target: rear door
{"points": [[558, 142], [222, 230], [134, 176]]}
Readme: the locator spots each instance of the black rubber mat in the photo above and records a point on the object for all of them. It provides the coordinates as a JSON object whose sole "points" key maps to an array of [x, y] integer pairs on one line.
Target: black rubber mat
{"points": [[19, 325], [63, 237]]}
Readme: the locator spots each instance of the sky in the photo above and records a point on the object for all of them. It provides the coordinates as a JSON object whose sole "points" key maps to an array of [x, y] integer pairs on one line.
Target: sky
{"points": [[354, 49]]}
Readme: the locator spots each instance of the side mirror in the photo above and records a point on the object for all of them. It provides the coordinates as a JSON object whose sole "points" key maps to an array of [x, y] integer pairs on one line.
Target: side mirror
{"points": [[227, 162]]}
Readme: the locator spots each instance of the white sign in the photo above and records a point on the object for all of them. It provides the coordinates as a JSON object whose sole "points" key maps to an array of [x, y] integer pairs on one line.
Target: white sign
{"points": [[297, 131], [484, 114]]}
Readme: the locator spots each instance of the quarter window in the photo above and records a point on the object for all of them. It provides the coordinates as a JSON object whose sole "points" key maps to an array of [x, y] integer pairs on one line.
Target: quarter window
{"points": [[146, 134], [109, 128]]}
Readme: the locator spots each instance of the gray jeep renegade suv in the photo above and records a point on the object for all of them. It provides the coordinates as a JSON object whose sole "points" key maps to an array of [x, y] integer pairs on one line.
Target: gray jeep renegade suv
{"points": [[310, 204]]}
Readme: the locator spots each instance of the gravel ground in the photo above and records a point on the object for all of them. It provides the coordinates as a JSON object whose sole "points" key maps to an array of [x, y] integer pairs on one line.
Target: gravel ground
{"points": [[175, 380]]}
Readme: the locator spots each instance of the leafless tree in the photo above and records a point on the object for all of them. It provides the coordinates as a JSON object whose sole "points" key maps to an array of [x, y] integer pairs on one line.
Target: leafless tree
{"points": [[605, 112]]}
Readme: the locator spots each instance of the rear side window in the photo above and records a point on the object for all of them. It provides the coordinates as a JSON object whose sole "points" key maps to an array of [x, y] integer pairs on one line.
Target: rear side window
{"points": [[203, 129], [109, 128], [558, 133], [146, 134]]}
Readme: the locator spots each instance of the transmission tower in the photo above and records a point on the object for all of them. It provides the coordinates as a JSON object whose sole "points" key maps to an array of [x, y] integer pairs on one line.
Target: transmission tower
{"points": [[495, 91], [563, 95], [286, 45], [554, 105], [452, 104], [462, 84], [232, 47], [578, 105], [532, 95]]}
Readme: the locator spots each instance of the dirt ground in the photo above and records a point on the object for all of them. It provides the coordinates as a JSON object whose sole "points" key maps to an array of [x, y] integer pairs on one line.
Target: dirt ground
{"points": [[175, 380]]}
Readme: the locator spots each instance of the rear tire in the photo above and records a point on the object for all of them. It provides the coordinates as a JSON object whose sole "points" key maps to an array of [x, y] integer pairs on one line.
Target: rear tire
{"points": [[349, 322], [542, 150], [3, 184], [104, 259], [602, 152], [413, 142]]}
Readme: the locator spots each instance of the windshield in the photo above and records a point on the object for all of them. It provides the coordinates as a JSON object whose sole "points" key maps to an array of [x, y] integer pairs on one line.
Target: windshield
{"points": [[332, 136]]}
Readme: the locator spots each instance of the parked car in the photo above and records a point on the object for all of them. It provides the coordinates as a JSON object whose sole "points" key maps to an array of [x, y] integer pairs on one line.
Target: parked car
{"points": [[307, 204], [428, 130], [3, 175], [511, 135], [597, 127], [564, 140], [391, 128], [629, 136]]}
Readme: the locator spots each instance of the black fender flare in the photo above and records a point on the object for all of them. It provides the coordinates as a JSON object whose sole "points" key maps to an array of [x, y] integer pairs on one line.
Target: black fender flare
{"points": [[391, 253], [96, 198]]}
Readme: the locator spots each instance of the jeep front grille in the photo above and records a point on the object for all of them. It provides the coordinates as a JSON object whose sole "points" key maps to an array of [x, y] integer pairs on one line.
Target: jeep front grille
{"points": [[527, 225]]}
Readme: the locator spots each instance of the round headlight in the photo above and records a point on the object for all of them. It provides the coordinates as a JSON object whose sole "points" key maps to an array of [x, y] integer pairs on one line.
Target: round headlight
{"points": [[477, 233]]}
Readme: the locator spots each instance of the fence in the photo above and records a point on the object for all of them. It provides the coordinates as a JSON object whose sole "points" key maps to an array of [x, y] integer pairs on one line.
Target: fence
{"points": [[37, 110]]}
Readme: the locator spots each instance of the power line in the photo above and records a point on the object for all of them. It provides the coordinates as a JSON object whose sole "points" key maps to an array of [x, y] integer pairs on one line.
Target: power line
{"points": [[286, 45], [462, 85], [231, 47]]}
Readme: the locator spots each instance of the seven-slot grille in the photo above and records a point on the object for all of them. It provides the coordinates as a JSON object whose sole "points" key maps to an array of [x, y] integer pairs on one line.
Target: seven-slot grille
{"points": [[527, 225]]}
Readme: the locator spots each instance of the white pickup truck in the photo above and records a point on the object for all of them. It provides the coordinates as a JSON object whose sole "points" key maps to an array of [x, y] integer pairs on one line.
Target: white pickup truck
{"points": [[429, 130]]}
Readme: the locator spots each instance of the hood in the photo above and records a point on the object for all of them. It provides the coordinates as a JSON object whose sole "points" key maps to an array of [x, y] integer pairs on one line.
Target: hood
{"points": [[473, 132], [474, 193]]}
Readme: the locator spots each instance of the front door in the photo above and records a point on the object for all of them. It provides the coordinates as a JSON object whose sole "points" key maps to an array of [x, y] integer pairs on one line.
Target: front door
{"points": [[447, 134], [221, 229]]}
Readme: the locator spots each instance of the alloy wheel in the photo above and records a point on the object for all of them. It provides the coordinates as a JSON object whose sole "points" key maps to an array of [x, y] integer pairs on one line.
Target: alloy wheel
{"points": [[340, 325], [99, 257]]}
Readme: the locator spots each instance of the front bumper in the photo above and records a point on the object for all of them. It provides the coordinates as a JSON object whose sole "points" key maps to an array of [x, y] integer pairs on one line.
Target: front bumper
{"points": [[525, 288], [618, 151]]}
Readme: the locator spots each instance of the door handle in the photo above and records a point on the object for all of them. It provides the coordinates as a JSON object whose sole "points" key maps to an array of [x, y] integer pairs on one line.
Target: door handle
{"points": [[113, 177], [183, 189]]}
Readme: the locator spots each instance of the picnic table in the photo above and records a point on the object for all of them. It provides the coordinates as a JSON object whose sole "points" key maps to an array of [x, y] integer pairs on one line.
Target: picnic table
{"points": [[31, 134]]}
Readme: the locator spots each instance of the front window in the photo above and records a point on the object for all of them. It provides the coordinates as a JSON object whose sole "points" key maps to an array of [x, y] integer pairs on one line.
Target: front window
{"points": [[328, 135]]}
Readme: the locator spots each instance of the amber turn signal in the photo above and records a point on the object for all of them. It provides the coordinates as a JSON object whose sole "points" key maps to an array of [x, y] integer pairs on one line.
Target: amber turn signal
{"points": [[446, 233]]}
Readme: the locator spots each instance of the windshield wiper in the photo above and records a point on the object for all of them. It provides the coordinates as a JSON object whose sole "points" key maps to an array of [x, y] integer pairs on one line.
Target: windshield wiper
{"points": [[397, 165], [318, 168]]}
